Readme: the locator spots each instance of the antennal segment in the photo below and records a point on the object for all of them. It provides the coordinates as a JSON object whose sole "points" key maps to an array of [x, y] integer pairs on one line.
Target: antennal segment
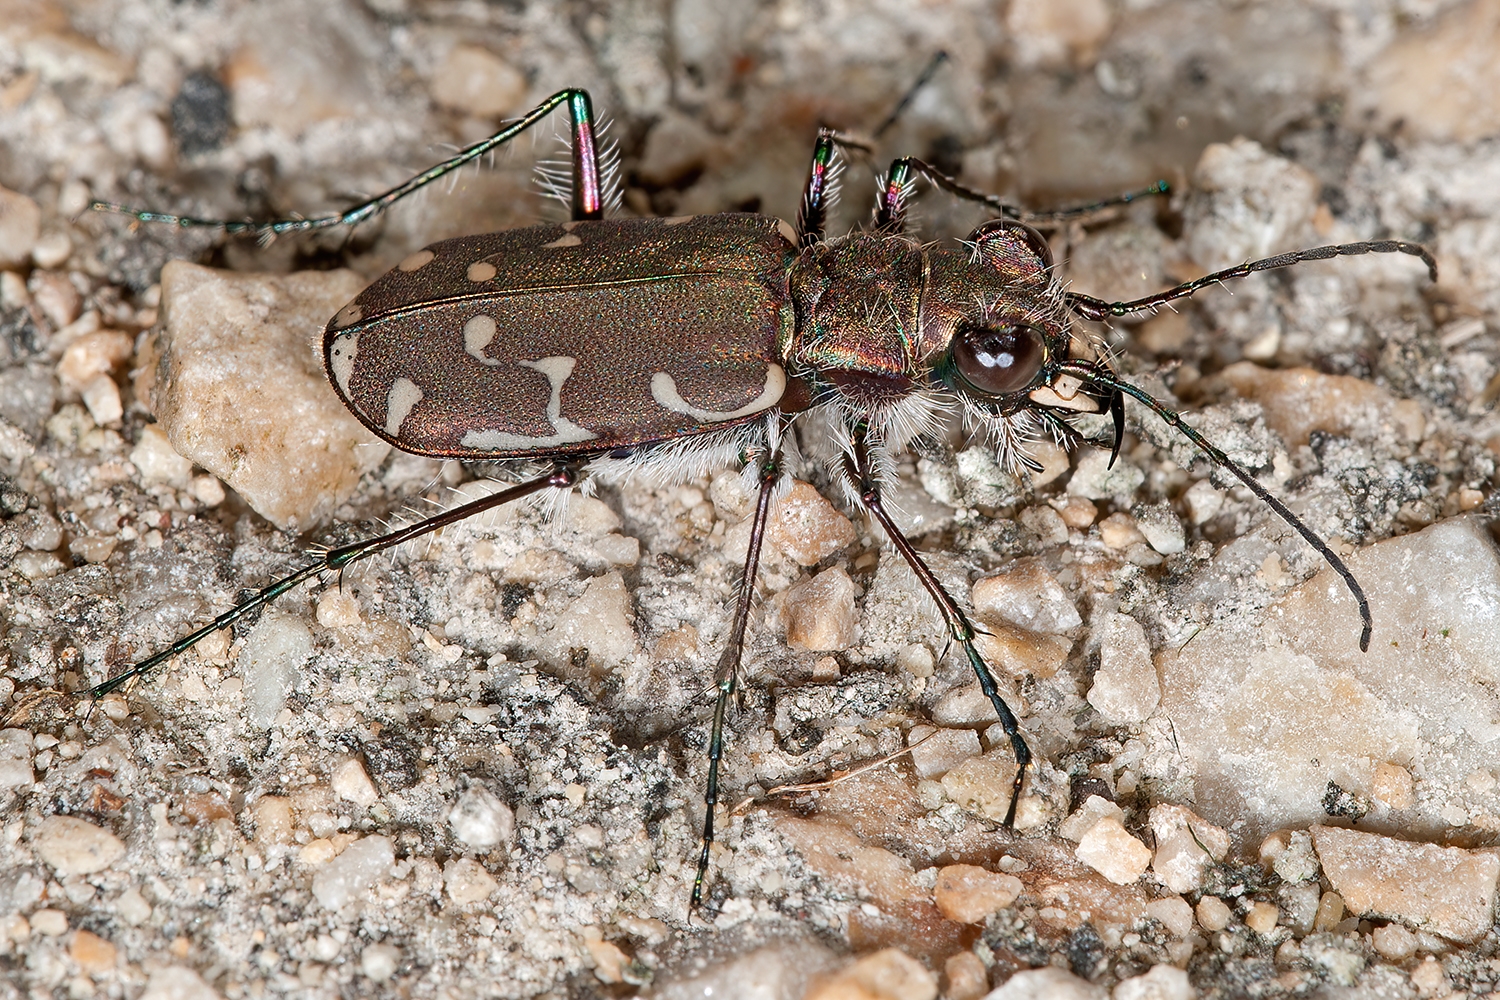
{"points": [[1107, 380]]}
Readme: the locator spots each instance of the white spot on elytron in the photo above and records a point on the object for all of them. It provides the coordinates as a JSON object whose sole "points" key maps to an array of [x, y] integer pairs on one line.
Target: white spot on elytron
{"points": [[417, 260], [351, 313], [565, 431], [563, 241], [787, 232], [677, 220], [341, 360], [481, 270], [403, 396], [664, 391], [479, 331]]}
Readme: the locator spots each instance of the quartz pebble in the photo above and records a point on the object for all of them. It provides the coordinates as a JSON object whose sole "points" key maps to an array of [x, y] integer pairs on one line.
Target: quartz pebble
{"points": [[477, 82], [1439, 80], [224, 336], [1213, 914], [49, 922], [889, 974], [20, 224], [820, 613], [806, 528], [1094, 479], [467, 881], [965, 977], [92, 952], [1300, 401], [1046, 984], [174, 982], [1239, 181], [983, 784], [1112, 852], [270, 663], [1125, 687], [1186, 847], [157, 460], [379, 961], [1394, 942], [480, 820], [350, 781], [1027, 595], [1444, 890], [1090, 811], [75, 847], [1175, 914], [599, 620], [1160, 982], [358, 867], [943, 751], [969, 894]]}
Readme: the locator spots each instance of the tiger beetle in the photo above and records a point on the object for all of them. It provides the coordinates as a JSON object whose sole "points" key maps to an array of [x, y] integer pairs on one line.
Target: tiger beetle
{"points": [[675, 347]]}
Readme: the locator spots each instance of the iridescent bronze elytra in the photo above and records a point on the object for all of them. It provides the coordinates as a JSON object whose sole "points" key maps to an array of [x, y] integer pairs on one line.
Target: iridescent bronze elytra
{"points": [[676, 347]]}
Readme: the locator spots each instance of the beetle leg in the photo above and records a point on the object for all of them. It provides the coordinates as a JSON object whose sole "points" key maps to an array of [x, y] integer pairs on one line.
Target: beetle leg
{"points": [[860, 469], [726, 675], [822, 184], [561, 477], [587, 198]]}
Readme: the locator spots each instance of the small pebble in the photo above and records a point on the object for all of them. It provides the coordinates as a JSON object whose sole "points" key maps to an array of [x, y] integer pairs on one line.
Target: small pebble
{"points": [[1161, 528], [968, 894], [982, 784], [55, 296], [1161, 982], [208, 490], [1186, 846], [92, 355], [273, 819], [132, 907], [1093, 479], [1393, 786], [270, 663], [156, 459], [1442, 890], [609, 959], [806, 528], [20, 225], [379, 961], [1048, 983], [50, 922], [1428, 977], [600, 620], [1203, 501], [1394, 942], [476, 82], [1119, 531], [1125, 688], [1090, 811], [1262, 917], [1175, 914], [467, 881], [355, 870], [1213, 914], [92, 952], [945, 750], [1027, 595], [52, 249], [966, 976], [889, 974], [480, 820], [1112, 852], [1076, 512], [820, 613], [102, 398], [74, 847], [350, 781]]}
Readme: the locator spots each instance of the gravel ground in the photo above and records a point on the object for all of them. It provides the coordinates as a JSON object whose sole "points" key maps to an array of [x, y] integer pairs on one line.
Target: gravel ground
{"points": [[477, 768]]}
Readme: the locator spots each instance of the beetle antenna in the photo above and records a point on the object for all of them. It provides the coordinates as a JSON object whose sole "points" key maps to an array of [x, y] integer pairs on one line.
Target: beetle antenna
{"points": [[1119, 388]]}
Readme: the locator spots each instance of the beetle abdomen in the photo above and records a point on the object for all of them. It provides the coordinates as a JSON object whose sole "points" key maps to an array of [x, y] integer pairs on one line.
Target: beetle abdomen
{"points": [[569, 339]]}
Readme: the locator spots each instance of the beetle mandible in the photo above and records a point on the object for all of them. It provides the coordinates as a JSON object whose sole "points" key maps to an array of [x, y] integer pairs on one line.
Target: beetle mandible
{"points": [[602, 348]]}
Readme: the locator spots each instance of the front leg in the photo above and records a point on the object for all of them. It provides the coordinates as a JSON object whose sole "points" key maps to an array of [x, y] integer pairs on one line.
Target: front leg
{"points": [[860, 469]]}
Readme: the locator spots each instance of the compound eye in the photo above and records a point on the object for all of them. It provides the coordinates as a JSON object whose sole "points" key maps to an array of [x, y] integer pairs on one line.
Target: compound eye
{"points": [[998, 360]]}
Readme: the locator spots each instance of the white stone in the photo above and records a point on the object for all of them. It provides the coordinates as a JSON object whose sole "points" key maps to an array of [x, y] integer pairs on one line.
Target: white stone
{"points": [[467, 881], [945, 750], [1090, 811], [1094, 479], [379, 961], [270, 664], [1046, 984], [1162, 982], [75, 847], [350, 781], [480, 820], [1442, 890], [1186, 846], [1162, 529], [156, 459], [599, 620], [1112, 852], [1269, 707], [477, 82], [1247, 203], [1175, 914], [175, 982], [1125, 686], [355, 870], [20, 224], [241, 389], [1028, 595]]}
